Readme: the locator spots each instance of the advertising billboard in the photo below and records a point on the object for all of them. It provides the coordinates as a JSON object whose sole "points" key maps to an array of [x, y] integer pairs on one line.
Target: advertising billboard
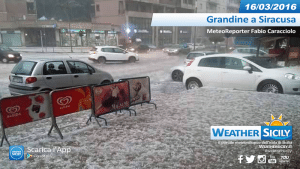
{"points": [[139, 90], [111, 97], [24, 109], [71, 100]]}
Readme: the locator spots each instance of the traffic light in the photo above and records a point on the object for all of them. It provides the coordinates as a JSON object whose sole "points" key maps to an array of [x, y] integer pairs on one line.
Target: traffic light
{"points": [[81, 33]]}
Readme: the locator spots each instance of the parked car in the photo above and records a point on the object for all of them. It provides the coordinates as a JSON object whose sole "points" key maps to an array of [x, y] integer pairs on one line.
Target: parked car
{"points": [[178, 71], [250, 51], [30, 76], [102, 54], [139, 48], [177, 49], [242, 72], [7, 54]]}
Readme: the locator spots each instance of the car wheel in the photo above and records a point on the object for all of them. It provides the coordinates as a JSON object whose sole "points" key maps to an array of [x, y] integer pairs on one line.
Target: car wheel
{"points": [[132, 59], [177, 75], [5, 60], [193, 84], [271, 87], [101, 60]]}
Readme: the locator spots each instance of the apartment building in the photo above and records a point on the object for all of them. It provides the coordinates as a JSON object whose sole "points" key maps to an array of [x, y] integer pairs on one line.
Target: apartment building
{"points": [[12, 13], [135, 16], [214, 6]]}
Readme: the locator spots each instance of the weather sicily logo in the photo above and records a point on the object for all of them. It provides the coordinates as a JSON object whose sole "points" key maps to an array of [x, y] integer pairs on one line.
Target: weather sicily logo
{"points": [[276, 129]]}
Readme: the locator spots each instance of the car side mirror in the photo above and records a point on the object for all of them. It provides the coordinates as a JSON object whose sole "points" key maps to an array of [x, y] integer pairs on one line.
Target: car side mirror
{"points": [[248, 68]]}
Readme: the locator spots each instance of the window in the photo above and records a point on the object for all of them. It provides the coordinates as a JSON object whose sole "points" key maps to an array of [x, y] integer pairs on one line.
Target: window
{"points": [[233, 63], [255, 69], [107, 50], [80, 67], [30, 8], [54, 68], [117, 50], [210, 62], [121, 7], [24, 68], [98, 7]]}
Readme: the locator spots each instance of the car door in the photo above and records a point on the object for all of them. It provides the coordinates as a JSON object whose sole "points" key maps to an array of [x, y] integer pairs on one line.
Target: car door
{"points": [[209, 71], [235, 77], [108, 53], [81, 73], [56, 75], [119, 54]]}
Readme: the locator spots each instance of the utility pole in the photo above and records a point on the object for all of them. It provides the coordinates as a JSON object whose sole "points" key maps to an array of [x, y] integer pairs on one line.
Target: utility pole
{"points": [[195, 26], [42, 40]]}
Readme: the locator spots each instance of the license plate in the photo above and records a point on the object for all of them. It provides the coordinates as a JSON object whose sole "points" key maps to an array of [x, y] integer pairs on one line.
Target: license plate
{"points": [[18, 79]]}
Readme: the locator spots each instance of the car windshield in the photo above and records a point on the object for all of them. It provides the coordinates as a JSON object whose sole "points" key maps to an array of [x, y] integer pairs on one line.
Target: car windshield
{"points": [[24, 68], [263, 62], [5, 48]]}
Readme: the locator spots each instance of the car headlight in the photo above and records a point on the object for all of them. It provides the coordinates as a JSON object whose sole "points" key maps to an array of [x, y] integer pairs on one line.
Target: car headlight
{"points": [[10, 55], [292, 76]]}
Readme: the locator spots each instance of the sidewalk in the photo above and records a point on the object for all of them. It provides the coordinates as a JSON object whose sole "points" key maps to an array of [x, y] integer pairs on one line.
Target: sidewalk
{"points": [[52, 49]]}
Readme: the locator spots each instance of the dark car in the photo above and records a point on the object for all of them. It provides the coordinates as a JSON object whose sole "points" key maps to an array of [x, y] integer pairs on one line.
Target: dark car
{"points": [[139, 48], [7, 54]]}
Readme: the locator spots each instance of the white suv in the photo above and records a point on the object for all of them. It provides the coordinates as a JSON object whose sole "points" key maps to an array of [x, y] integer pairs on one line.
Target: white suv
{"points": [[101, 54]]}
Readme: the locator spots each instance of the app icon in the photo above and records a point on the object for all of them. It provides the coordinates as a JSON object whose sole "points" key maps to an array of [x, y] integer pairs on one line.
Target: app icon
{"points": [[250, 159], [16, 152], [29, 155], [261, 159], [240, 158]]}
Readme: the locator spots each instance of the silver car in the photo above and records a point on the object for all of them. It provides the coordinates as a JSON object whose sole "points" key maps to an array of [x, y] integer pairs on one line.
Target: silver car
{"points": [[31, 76]]}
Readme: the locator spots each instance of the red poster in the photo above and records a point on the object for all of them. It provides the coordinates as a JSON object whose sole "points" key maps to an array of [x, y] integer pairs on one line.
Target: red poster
{"points": [[139, 90], [71, 100], [111, 98], [24, 109]]}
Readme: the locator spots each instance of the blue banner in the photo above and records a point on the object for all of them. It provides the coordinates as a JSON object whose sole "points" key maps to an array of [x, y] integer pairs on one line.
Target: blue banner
{"points": [[270, 6]]}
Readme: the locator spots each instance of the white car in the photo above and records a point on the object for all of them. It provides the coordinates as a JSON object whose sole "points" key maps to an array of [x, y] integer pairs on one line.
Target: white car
{"points": [[101, 54], [242, 72], [177, 71]]}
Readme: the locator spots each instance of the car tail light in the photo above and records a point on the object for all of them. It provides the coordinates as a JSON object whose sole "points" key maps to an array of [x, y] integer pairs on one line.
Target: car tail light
{"points": [[189, 64], [30, 80]]}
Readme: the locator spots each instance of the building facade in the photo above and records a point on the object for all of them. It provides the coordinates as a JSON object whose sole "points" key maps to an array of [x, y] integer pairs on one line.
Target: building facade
{"points": [[214, 6], [136, 16], [19, 26]]}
